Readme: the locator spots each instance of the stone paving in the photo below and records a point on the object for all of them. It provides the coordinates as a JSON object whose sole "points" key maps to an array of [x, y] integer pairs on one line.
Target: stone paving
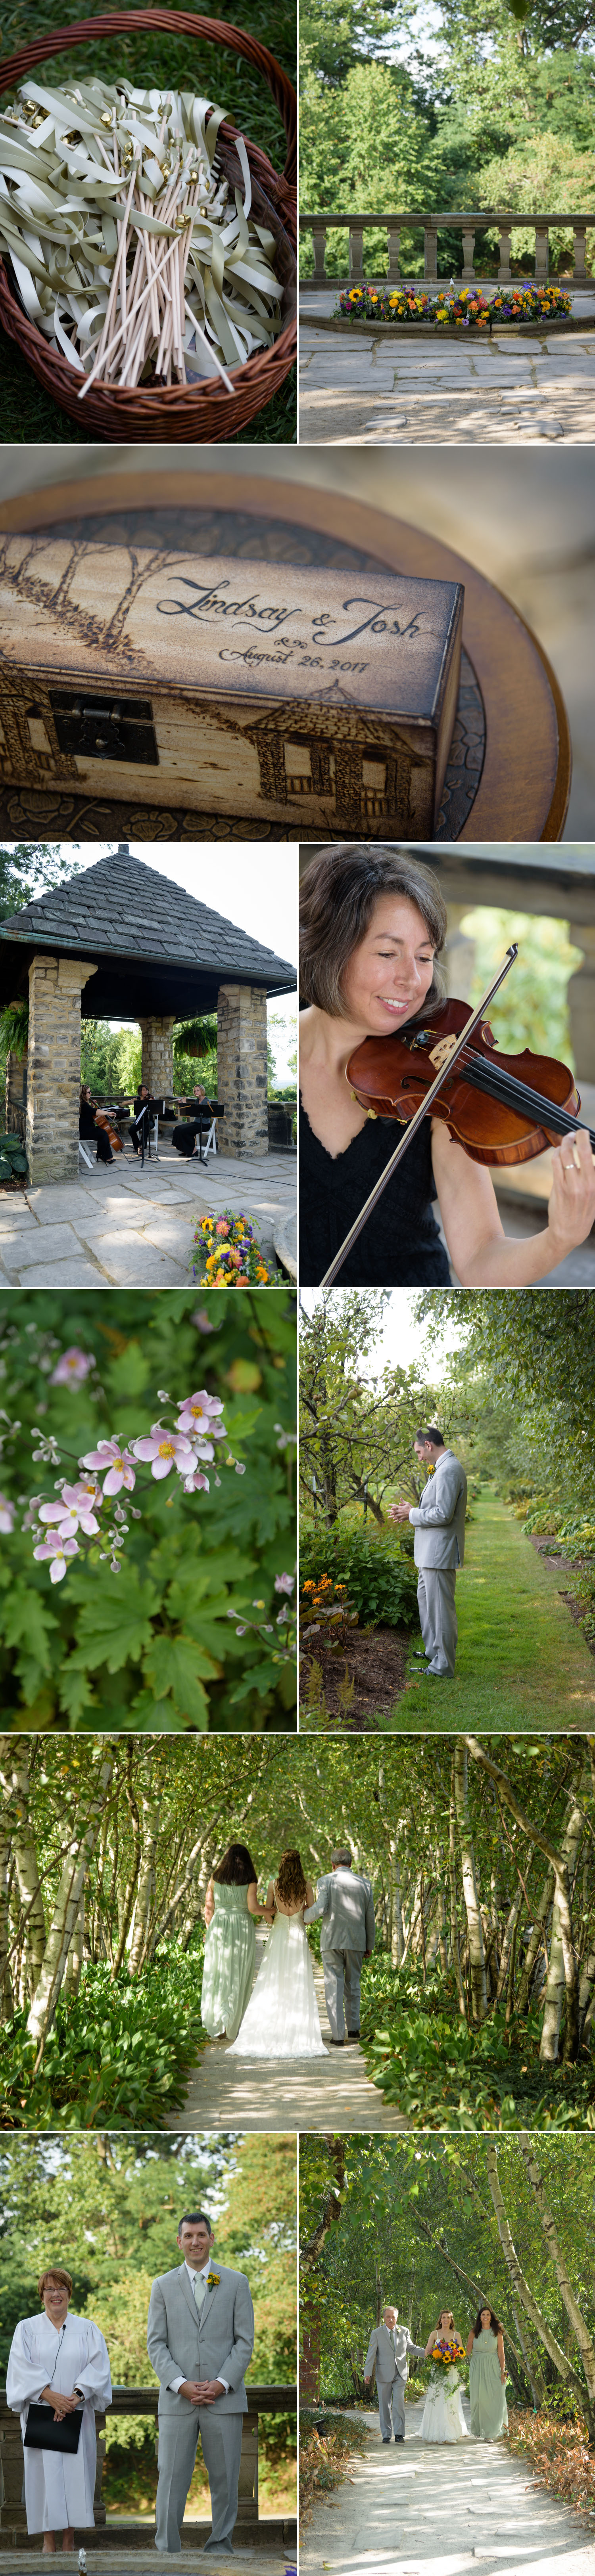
{"points": [[285, 2093], [448, 2507], [485, 392], [120, 1227]]}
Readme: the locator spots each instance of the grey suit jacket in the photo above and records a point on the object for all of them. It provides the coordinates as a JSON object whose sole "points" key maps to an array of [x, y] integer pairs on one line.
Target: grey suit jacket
{"points": [[391, 2363], [439, 1519], [221, 2339], [345, 1905]]}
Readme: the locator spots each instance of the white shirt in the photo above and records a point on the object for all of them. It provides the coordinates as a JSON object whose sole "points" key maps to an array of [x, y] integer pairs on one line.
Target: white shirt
{"points": [[194, 2273]]}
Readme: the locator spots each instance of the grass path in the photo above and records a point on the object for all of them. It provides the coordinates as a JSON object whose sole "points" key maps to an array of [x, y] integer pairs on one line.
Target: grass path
{"points": [[520, 1661]]}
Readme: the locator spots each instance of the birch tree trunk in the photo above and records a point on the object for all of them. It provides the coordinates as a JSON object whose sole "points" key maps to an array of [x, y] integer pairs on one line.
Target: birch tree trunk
{"points": [[80, 1850], [452, 1873], [6, 2001], [584, 2339], [510, 1928], [536, 1942], [525, 2294], [479, 1997], [132, 1881], [397, 1935], [543, 1841], [149, 1809], [74, 1963], [16, 1780], [556, 1979]]}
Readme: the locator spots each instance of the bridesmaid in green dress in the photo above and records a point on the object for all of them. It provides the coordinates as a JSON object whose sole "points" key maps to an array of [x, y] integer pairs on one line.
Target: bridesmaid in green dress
{"points": [[231, 1907], [487, 2377]]}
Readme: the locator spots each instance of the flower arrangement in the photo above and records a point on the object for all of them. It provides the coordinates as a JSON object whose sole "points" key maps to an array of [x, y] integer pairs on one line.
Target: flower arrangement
{"points": [[448, 2352], [227, 1251], [462, 308]]}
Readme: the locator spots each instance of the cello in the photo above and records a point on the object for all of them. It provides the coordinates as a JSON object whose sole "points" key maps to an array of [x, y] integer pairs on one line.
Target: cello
{"points": [[104, 1118], [502, 1109]]}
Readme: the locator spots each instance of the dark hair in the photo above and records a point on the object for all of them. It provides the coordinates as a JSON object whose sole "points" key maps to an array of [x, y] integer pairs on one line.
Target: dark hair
{"points": [[290, 1883], [193, 2218], [495, 2326], [433, 1435], [343, 1858], [339, 892], [236, 1869]]}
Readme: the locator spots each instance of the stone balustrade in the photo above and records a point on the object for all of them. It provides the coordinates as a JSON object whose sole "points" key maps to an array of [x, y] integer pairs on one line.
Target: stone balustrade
{"points": [[143, 2401], [468, 225]]}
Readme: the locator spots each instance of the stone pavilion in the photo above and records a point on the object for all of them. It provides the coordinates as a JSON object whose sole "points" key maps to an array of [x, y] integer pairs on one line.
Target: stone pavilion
{"points": [[122, 942]]}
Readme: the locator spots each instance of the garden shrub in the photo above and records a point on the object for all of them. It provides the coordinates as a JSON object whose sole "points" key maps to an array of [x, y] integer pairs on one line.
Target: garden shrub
{"points": [[115, 2052], [380, 1575]]}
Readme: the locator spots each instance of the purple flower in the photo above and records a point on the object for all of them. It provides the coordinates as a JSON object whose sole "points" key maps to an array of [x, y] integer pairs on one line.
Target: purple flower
{"points": [[198, 1415], [164, 1450], [284, 1582], [119, 1462], [58, 1549], [75, 1510], [72, 1368], [202, 1321], [7, 1513], [194, 1483]]}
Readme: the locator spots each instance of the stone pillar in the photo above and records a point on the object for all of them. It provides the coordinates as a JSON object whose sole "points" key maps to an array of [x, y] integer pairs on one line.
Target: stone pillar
{"points": [[157, 1068], [581, 1004], [15, 1107], [54, 1066], [242, 1069], [468, 257]]}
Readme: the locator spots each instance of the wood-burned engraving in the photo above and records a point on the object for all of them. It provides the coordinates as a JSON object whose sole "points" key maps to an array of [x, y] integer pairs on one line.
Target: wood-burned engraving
{"points": [[253, 688]]}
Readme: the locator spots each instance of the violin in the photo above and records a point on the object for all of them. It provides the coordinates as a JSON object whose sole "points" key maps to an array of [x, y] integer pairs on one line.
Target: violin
{"points": [[500, 1108], [104, 1118]]}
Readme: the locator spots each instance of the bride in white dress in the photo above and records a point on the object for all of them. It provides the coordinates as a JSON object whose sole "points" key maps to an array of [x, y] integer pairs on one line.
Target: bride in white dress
{"points": [[282, 2018], [443, 2419]]}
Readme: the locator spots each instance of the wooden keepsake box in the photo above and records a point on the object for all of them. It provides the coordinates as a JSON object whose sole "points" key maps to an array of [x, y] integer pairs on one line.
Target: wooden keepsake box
{"points": [[254, 689]]}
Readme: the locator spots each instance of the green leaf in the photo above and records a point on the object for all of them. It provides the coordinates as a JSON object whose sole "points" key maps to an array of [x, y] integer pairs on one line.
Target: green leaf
{"points": [[113, 1635], [174, 1665], [27, 1619]]}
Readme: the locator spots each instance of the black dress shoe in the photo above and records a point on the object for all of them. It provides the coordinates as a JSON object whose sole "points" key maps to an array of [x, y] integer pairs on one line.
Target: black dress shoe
{"points": [[336, 2043], [353, 2034], [399, 2437]]}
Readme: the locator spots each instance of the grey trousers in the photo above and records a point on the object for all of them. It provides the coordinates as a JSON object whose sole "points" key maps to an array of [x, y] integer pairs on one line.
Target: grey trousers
{"points": [[391, 2407], [221, 2437], [437, 1615], [342, 1975]]}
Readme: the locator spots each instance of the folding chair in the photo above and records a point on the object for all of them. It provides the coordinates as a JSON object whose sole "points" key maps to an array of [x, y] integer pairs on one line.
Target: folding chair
{"points": [[87, 1158]]}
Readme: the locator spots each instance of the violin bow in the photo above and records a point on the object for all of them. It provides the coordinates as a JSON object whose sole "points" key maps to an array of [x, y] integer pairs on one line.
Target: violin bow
{"points": [[421, 1113]]}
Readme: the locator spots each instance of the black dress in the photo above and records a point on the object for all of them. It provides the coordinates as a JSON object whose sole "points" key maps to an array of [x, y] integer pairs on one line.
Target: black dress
{"points": [[184, 1136], [400, 1246], [94, 1135]]}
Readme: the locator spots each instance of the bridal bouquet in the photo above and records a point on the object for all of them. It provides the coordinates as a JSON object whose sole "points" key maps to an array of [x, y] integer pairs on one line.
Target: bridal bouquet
{"points": [[447, 2355]]}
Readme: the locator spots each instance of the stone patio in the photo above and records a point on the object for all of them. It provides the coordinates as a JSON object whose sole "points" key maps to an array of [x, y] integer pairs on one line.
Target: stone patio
{"points": [[472, 392], [120, 1227]]}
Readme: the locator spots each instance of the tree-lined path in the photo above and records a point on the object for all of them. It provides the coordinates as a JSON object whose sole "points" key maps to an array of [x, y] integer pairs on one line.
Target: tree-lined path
{"points": [[276, 2093], [521, 1662], [418, 2506]]}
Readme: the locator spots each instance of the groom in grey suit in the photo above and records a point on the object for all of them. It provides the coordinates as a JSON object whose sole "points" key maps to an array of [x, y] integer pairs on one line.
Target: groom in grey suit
{"points": [[345, 1905], [200, 2338], [439, 1524], [389, 2347]]}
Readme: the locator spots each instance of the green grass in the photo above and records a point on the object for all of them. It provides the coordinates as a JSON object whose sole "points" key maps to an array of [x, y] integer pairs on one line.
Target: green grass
{"points": [[520, 1660], [27, 414]]}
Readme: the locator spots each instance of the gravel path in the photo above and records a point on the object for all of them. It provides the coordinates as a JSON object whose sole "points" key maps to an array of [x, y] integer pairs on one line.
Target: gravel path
{"points": [[284, 2093], [452, 2509]]}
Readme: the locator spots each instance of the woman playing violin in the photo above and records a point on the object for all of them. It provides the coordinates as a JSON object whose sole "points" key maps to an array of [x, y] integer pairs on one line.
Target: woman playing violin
{"points": [[373, 926]]}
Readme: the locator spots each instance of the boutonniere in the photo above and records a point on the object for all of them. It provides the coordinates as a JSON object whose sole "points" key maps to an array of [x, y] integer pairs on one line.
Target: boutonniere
{"points": [[213, 2279]]}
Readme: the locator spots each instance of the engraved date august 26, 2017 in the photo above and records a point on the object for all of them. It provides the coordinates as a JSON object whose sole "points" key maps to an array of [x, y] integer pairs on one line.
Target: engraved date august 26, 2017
{"points": [[286, 652]]}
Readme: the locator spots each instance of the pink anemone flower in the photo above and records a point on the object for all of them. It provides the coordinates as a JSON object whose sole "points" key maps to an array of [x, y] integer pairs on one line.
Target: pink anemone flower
{"points": [[120, 1464], [7, 1512], [284, 1582], [194, 1483], [198, 1414], [164, 1450], [71, 1368], [75, 1511], [58, 1549]]}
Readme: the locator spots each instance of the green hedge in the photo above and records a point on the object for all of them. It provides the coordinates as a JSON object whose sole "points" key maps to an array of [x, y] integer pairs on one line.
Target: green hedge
{"points": [[381, 1579]]}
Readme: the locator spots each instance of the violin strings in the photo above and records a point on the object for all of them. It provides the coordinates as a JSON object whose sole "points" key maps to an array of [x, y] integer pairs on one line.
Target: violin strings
{"points": [[518, 1095]]}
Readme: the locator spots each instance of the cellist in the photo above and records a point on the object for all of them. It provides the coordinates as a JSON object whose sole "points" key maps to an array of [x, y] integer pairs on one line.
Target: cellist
{"points": [[373, 926], [88, 1129]]}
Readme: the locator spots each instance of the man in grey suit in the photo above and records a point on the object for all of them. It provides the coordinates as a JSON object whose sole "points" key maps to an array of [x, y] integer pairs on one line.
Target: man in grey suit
{"points": [[345, 1906], [389, 2347], [439, 1524], [200, 2339]]}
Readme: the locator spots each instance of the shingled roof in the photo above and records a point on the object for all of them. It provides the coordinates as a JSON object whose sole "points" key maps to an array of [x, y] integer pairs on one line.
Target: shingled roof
{"points": [[158, 949]]}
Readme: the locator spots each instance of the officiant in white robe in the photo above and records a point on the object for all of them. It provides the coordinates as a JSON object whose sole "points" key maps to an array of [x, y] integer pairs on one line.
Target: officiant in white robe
{"points": [[57, 2354]]}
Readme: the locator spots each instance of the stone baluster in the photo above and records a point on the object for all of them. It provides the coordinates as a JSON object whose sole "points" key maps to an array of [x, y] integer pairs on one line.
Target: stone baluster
{"points": [[394, 249], [319, 233], [542, 240], [468, 258], [430, 254], [356, 251], [504, 268], [579, 272]]}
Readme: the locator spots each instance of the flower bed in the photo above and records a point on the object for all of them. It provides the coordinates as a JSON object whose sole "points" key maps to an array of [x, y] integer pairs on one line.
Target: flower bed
{"points": [[463, 308]]}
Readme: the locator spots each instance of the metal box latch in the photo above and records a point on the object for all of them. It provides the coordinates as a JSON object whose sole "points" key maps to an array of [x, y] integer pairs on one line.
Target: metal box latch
{"points": [[103, 728]]}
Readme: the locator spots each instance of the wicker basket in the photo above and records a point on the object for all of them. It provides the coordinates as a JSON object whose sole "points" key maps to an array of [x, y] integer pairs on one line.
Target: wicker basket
{"points": [[176, 412]]}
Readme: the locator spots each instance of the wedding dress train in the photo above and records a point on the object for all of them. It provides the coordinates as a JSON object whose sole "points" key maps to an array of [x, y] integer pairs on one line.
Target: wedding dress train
{"points": [[443, 2419], [282, 2018]]}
